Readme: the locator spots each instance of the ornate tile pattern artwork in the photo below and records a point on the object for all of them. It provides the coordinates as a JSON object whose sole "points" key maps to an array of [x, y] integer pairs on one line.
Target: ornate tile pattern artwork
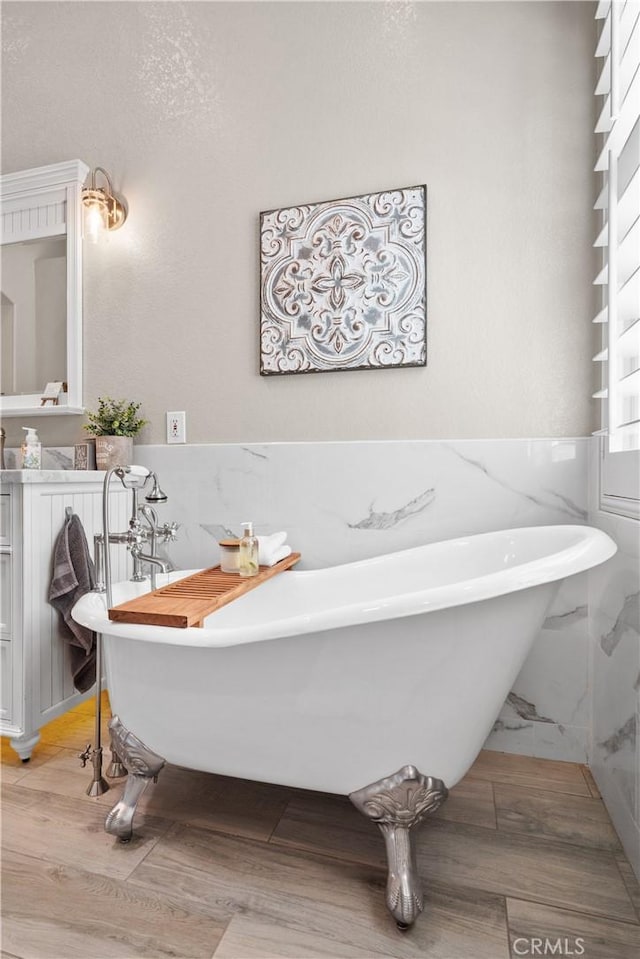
{"points": [[343, 284]]}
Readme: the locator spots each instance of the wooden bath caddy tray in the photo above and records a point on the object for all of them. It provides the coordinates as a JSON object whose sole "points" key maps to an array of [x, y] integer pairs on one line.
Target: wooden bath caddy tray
{"points": [[187, 601]]}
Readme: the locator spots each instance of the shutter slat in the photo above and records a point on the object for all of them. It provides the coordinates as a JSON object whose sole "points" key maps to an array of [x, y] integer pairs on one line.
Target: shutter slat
{"points": [[622, 127], [628, 300], [629, 205], [630, 61], [629, 385], [629, 425], [603, 86], [630, 335], [628, 21], [602, 203], [604, 120], [604, 42], [602, 238], [602, 277], [628, 254]]}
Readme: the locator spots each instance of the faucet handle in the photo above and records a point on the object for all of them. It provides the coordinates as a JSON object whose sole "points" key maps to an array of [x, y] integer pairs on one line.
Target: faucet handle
{"points": [[168, 532], [135, 538]]}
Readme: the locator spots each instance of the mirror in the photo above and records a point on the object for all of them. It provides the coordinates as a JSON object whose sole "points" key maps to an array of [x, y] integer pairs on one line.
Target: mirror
{"points": [[34, 314], [41, 295]]}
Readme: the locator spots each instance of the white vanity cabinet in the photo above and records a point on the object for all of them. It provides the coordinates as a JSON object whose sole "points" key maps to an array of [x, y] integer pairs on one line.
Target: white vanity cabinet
{"points": [[35, 674]]}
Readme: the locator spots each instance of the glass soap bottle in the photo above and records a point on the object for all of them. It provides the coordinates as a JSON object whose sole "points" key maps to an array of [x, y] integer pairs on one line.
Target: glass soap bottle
{"points": [[31, 450], [248, 561]]}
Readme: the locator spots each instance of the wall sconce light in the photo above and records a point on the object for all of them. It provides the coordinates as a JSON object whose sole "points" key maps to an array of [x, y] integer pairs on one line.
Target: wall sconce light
{"points": [[103, 210]]}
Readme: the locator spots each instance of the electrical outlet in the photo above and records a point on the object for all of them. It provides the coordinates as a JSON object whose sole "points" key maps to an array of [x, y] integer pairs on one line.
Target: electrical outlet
{"points": [[177, 427]]}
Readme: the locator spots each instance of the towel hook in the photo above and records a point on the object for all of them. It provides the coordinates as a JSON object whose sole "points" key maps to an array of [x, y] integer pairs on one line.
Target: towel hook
{"points": [[68, 512]]}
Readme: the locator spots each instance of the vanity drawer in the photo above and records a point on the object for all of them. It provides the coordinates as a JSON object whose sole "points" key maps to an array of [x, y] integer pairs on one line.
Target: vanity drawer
{"points": [[5, 594], [5, 519], [6, 681]]}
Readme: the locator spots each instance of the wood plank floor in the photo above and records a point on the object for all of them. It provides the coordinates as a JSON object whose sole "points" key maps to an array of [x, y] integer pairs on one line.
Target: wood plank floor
{"points": [[522, 853]]}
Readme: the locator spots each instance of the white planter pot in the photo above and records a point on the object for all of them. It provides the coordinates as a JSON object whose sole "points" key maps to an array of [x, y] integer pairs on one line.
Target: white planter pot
{"points": [[113, 451]]}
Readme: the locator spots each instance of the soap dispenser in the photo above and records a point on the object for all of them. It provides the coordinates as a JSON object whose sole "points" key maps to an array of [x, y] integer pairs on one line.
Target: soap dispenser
{"points": [[248, 552], [31, 450]]}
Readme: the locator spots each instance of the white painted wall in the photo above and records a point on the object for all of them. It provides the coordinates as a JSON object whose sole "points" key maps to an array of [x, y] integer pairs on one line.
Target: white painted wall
{"points": [[207, 113]]}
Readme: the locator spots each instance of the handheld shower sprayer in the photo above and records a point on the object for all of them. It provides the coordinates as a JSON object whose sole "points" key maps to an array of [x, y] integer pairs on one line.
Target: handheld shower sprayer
{"points": [[136, 478], [132, 476]]}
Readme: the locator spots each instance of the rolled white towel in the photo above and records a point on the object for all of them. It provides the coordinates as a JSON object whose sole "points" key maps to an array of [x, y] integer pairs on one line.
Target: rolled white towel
{"points": [[279, 554], [271, 549], [272, 541]]}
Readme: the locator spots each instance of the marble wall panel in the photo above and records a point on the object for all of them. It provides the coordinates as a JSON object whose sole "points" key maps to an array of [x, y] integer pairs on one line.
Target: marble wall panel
{"points": [[547, 713], [340, 502], [615, 649], [344, 501]]}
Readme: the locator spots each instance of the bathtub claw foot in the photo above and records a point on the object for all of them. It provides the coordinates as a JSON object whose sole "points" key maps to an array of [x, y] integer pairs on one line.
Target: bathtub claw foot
{"points": [[141, 765], [396, 804]]}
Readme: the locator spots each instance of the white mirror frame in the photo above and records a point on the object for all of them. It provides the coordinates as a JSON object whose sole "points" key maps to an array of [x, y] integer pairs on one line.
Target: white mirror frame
{"points": [[44, 202]]}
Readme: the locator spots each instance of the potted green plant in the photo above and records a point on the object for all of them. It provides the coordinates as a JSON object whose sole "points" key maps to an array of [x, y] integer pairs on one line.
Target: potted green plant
{"points": [[114, 425]]}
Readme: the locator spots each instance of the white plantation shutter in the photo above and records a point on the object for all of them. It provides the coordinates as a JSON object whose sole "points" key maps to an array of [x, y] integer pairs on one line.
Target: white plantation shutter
{"points": [[618, 128]]}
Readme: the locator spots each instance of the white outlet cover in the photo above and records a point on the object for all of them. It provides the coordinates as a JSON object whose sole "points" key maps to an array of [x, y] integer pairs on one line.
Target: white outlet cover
{"points": [[176, 427]]}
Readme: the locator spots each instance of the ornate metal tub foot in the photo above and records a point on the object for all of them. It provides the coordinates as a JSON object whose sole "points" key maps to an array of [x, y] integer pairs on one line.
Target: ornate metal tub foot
{"points": [[142, 765], [397, 803]]}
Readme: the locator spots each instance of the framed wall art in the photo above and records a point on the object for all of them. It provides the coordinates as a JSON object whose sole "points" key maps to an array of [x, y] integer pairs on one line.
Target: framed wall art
{"points": [[343, 284]]}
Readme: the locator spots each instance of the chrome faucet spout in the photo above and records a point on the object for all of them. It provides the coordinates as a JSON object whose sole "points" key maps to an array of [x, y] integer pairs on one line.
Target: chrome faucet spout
{"points": [[162, 565], [154, 561]]}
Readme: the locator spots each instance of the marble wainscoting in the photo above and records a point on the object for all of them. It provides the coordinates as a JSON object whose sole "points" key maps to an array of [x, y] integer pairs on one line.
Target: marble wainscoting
{"points": [[53, 458], [340, 502], [547, 713], [614, 600]]}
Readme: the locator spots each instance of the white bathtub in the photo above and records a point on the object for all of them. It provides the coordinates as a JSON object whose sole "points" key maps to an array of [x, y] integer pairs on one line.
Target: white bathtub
{"points": [[333, 679]]}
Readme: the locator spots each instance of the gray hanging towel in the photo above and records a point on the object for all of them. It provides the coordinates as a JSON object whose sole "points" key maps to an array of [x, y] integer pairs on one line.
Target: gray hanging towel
{"points": [[73, 576]]}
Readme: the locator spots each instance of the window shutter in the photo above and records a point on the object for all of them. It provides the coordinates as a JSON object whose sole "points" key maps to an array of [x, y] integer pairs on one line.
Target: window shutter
{"points": [[618, 127]]}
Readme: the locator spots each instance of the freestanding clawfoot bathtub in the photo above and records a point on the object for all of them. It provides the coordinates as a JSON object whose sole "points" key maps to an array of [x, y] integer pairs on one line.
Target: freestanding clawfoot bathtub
{"points": [[333, 679]]}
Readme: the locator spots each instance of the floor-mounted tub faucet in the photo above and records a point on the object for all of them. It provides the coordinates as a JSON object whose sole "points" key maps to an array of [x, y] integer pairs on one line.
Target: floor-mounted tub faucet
{"points": [[134, 478]]}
